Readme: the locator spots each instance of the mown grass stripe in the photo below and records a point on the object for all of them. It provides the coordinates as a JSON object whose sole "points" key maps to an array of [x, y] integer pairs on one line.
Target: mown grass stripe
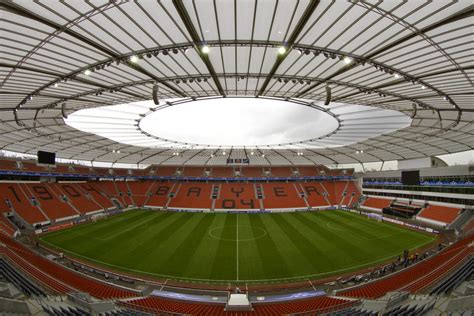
{"points": [[183, 251], [301, 242], [207, 248], [343, 248], [251, 260], [179, 245], [143, 244], [273, 261], [223, 264]]}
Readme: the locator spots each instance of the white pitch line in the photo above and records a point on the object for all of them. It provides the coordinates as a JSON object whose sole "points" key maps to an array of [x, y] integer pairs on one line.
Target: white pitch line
{"points": [[237, 240], [217, 281], [128, 228]]}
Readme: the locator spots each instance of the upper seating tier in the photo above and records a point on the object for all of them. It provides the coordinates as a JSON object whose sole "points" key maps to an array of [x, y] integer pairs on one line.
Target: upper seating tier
{"points": [[193, 172], [174, 171], [165, 171], [377, 203], [222, 172], [440, 213], [281, 172]]}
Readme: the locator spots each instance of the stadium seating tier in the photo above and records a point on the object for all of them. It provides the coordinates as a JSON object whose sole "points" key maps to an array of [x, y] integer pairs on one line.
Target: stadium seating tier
{"points": [[440, 213], [43, 202], [56, 277], [377, 203]]}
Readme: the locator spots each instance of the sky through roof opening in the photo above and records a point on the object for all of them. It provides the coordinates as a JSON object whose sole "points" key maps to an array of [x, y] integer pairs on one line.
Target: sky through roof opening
{"points": [[238, 122]]}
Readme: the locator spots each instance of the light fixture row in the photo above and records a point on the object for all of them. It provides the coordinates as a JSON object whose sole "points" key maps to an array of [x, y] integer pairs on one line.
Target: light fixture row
{"points": [[205, 49]]}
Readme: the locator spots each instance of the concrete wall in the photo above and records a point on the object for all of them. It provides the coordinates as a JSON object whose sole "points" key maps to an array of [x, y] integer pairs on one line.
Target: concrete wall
{"points": [[14, 306], [461, 303], [426, 172]]}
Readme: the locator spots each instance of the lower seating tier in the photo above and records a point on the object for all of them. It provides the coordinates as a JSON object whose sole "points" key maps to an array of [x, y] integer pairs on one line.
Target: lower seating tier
{"points": [[56, 277], [55, 202], [418, 276], [6, 227], [158, 305]]}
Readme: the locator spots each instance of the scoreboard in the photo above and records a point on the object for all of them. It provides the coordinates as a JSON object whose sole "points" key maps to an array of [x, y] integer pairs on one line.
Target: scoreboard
{"points": [[242, 161]]}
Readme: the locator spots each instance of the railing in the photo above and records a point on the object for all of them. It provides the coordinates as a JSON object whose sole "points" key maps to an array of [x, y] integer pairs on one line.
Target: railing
{"points": [[171, 178], [468, 189]]}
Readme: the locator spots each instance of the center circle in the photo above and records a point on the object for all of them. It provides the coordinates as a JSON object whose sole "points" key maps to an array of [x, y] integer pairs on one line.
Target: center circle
{"points": [[238, 122], [230, 232]]}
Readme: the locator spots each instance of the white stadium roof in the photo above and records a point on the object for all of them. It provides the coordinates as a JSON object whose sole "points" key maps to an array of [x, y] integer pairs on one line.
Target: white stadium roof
{"points": [[400, 75]]}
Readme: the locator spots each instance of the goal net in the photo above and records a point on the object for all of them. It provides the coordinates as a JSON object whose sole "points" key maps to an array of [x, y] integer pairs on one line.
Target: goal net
{"points": [[375, 216], [97, 217]]}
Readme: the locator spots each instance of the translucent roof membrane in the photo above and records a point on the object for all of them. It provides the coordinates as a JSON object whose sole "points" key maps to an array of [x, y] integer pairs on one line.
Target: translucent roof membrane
{"points": [[237, 123], [412, 57]]}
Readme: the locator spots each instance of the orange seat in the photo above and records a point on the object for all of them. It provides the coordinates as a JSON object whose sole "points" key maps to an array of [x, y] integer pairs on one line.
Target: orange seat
{"points": [[222, 172], [193, 195], [416, 277], [56, 277], [160, 192], [165, 171], [314, 192], [377, 203], [237, 196], [51, 204], [78, 198], [281, 171], [193, 172], [21, 203], [440, 213], [281, 195]]}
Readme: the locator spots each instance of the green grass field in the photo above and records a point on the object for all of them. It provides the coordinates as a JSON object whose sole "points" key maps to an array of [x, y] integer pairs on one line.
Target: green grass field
{"points": [[223, 247]]}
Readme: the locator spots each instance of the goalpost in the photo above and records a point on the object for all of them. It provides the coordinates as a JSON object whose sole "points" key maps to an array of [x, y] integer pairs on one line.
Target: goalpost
{"points": [[375, 216], [99, 216]]}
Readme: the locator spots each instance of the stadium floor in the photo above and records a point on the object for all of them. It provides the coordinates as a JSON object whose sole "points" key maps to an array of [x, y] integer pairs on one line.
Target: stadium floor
{"points": [[229, 247]]}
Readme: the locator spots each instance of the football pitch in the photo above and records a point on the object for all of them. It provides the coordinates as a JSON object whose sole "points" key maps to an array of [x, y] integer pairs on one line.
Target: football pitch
{"points": [[229, 247]]}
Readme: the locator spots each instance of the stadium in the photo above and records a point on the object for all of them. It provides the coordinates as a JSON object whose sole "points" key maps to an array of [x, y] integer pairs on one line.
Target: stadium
{"points": [[224, 157]]}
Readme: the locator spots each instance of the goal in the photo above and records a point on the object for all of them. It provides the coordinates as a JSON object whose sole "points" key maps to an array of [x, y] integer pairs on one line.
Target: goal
{"points": [[97, 217], [375, 216]]}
